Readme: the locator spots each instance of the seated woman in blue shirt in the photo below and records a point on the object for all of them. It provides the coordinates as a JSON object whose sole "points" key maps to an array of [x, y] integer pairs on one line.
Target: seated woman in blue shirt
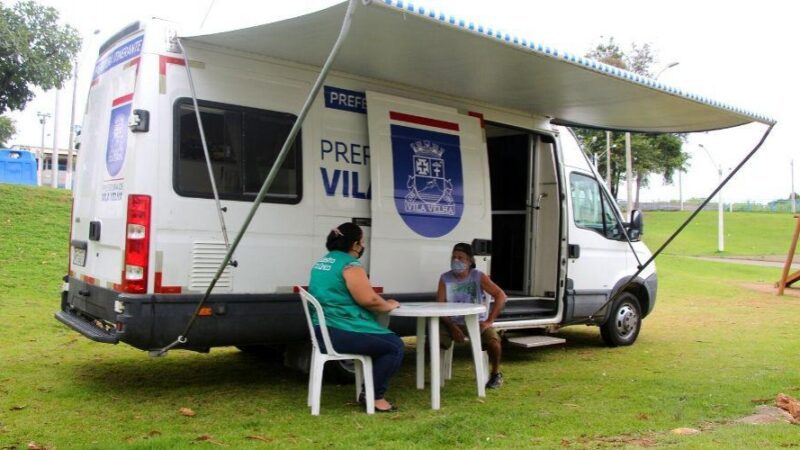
{"points": [[340, 284]]}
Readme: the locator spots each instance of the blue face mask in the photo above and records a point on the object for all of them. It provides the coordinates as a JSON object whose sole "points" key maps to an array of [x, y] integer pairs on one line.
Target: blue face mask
{"points": [[458, 266]]}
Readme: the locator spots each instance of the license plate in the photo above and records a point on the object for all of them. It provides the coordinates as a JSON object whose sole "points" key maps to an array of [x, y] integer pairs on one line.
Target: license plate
{"points": [[79, 256]]}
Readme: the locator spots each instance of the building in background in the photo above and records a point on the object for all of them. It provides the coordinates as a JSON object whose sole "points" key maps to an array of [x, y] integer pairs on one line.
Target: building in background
{"points": [[47, 162]]}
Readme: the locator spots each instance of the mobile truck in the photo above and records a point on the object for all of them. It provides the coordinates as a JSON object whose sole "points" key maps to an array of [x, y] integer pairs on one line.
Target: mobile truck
{"points": [[429, 130]]}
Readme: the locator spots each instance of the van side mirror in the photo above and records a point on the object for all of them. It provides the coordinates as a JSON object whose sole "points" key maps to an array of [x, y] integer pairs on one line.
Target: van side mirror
{"points": [[636, 225]]}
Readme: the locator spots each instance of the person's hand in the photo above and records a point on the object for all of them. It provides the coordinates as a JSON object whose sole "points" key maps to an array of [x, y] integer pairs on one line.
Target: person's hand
{"points": [[392, 304], [485, 324], [457, 334]]}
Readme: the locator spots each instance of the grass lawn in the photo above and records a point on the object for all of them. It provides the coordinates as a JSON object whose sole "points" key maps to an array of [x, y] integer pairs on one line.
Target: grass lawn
{"points": [[710, 352]]}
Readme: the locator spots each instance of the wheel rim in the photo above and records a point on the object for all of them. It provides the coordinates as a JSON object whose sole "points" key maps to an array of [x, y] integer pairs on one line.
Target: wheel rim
{"points": [[627, 321]]}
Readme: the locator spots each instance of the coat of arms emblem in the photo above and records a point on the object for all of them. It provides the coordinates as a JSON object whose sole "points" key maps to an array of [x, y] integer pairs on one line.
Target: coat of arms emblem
{"points": [[429, 190]]}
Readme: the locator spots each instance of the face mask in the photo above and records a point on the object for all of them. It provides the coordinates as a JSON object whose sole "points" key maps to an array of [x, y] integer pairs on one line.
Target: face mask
{"points": [[458, 266]]}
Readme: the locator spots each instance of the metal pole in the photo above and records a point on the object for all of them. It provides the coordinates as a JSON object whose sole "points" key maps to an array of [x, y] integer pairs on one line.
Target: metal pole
{"points": [[628, 174], [54, 158], [793, 196], [680, 189], [68, 182], [608, 159], [40, 163], [721, 226]]}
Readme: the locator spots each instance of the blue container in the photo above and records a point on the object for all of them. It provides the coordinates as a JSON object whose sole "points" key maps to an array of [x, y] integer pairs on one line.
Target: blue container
{"points": [[17, 167]]}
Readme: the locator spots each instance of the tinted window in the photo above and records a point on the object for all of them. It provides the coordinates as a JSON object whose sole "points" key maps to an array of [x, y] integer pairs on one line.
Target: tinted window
{"points": [[243, 143]]}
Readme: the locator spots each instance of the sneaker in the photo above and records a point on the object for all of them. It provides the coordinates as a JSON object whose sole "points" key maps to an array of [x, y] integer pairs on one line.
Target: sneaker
{"points": [[495, 381]]}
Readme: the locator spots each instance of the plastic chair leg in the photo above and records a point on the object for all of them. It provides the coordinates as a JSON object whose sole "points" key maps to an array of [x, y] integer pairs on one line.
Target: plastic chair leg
{"points": [[311, 376], [316, 390], [369, 384], [359, 366]]}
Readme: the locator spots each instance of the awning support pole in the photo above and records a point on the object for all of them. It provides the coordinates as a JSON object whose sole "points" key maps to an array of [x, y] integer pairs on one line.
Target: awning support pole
{"points": [[273, 172], [205, 145], [630, 281]]}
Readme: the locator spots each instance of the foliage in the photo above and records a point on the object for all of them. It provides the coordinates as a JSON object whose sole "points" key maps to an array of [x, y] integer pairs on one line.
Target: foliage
{"points": [[7, 130], [60, 390], [35, 50], [651, 153]]}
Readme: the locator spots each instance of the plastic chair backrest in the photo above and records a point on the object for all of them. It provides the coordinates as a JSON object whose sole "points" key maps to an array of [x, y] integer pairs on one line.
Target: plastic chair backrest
{"points": [[307, 298]]}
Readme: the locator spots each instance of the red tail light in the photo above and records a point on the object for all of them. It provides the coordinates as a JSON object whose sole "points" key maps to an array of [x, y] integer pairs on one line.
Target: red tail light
{"points": [[137, 245]]}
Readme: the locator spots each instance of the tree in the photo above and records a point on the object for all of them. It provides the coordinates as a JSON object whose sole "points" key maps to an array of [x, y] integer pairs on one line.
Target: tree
{"points": [[7, 130], [35, 50], [651, 153]]}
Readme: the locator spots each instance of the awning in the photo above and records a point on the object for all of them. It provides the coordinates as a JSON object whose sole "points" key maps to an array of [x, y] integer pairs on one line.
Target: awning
{"points": [[401, 43]]}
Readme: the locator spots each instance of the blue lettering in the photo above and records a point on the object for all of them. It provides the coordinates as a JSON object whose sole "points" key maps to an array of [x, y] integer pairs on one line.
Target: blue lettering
{"points": [[346, 184], [356, 192], [330, 185], [341, 149], [325, 147]]}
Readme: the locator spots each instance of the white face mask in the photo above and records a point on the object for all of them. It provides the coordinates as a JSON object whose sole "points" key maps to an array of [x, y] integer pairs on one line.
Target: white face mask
{"points": [[458, 266]]}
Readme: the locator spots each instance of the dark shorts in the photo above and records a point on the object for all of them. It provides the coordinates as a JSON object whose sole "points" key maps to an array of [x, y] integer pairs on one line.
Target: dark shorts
{"points": [[488, 335]]}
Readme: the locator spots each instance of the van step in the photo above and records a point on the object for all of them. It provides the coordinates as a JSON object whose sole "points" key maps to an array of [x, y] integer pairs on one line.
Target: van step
{"points": [[535, 341], [86, 328]]}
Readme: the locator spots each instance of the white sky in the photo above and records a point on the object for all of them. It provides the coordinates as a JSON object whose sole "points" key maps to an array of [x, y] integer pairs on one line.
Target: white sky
{"points": [[741, 53]]}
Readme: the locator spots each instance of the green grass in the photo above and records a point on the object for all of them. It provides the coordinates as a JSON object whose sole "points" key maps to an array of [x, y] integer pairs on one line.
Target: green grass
{"points": [[746, 233], [708, 353]]}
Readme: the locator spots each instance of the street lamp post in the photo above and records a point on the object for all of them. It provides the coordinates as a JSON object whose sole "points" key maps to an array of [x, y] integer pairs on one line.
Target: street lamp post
{"points": [[54, 156], [720, 222], [40, 164]]}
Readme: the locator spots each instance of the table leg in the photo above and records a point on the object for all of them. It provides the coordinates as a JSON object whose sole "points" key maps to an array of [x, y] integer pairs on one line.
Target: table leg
{"points": [[473, 328], [436, 380], [420, 353]]}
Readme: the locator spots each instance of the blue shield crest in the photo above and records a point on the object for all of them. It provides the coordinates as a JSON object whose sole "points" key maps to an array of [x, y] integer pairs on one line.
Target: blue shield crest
{"points": [[428, 181]]}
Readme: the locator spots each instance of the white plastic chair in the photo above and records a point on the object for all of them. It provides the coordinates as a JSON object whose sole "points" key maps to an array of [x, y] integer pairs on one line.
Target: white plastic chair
{"points": [[446, 358], [363, 363]]}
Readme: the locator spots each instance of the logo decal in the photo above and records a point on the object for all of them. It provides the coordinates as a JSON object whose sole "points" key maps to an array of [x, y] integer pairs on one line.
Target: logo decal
{"points": [[428, 182], [117, 139]]}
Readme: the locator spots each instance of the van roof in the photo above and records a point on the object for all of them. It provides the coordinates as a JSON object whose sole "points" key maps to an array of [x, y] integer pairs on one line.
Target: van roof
{"points": [[398, 42]]}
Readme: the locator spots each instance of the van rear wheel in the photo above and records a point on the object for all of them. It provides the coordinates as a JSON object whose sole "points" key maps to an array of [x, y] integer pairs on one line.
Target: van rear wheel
{"points": [[623, 325]]}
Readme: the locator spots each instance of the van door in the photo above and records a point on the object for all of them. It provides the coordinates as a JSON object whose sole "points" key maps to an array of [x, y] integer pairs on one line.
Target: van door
{"points": [[430, 190]]}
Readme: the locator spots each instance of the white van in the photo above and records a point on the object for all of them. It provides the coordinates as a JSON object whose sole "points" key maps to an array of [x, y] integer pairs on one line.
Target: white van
{"points": [[429, 131]]}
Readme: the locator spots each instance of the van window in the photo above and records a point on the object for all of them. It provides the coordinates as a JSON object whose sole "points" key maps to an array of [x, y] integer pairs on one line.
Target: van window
{"points": [[242, 143], [591, 209]]}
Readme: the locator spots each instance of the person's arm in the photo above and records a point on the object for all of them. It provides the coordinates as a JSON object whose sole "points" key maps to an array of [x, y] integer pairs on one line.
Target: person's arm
{"points": [[455, 331], [492, 289], [355, 278]]}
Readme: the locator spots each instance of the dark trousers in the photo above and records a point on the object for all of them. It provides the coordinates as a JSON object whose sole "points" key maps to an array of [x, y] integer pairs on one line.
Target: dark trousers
{"points": [[386, 351]]}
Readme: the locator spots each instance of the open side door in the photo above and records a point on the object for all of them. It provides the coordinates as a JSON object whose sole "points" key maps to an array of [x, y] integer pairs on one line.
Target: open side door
{"points": [[430, 190]]}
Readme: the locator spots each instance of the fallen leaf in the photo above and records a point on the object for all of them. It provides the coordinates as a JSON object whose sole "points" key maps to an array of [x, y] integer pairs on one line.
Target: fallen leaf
{"points": [[34, 446], [18, 407], [260, 438], [210, 439], [643, 416], [685, 431], [187, 412], [788, 404], [154, 433]]}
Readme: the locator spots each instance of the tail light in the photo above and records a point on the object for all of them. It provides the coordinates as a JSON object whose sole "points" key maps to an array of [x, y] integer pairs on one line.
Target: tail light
{"points": [[137, 245]]}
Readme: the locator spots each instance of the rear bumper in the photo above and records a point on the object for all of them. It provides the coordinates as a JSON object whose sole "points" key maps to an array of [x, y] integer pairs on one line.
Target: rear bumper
{"points": [[153, 321]]}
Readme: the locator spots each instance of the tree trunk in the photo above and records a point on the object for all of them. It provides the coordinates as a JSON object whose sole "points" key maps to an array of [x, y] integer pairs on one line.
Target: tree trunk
{"points": [[638, 187]]}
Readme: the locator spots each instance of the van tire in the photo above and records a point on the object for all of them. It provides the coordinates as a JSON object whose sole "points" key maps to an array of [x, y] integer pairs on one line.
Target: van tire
{"points": [[623, 325]]}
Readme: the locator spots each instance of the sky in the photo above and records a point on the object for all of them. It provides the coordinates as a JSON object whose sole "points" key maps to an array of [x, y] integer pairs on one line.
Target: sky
{"points": [[735, 52]]}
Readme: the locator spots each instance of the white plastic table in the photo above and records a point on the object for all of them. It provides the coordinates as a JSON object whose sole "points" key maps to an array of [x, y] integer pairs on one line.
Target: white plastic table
{"points": [[431, 312]]}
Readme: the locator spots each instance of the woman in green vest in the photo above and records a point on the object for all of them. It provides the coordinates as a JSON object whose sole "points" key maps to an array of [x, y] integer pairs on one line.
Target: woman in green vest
{"points": [[340, 284]]}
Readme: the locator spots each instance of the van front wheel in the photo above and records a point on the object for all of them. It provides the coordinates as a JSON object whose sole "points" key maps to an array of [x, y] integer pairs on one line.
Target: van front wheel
{"points": [[625, 322]]}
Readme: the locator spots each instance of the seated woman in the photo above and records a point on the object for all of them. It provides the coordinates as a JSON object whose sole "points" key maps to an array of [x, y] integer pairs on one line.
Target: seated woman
{"points": [[340, 284], [466, 284]]}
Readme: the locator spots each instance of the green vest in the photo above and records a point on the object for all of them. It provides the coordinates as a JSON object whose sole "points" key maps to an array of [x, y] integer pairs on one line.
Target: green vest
{"points": [[327, 285]]}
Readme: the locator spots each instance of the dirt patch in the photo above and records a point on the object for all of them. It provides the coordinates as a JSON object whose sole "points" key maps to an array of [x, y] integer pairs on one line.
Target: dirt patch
{"points": [[767, 414], [769, 288]]}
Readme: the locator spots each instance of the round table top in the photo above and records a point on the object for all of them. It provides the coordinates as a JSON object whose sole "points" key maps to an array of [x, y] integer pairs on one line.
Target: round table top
{"points": [[436, 309]]}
